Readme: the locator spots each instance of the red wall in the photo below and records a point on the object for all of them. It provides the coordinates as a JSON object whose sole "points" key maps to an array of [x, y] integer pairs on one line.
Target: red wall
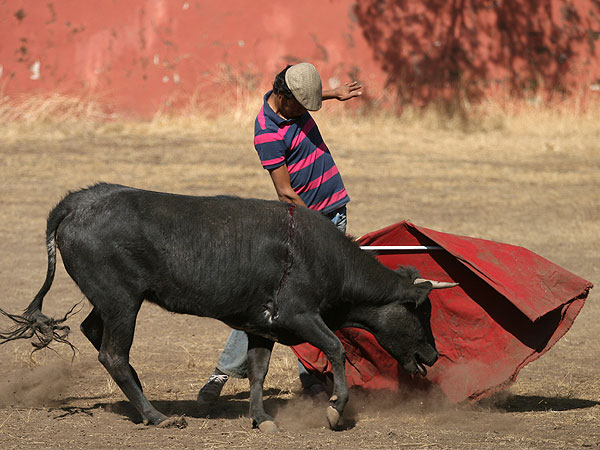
{"points": [[141, 55], [471, 48]]}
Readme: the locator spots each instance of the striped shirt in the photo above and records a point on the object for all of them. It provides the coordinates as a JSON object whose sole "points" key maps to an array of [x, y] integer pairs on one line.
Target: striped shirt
{"points": [[298, 144]]}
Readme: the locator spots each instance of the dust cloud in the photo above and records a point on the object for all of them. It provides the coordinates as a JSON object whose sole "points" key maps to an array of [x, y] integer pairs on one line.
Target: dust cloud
{"points": [[406, 406], [37, 386]]}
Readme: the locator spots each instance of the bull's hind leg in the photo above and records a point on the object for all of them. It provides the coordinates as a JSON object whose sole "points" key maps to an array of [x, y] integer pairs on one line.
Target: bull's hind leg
{"points": [[92, 328], [259, 355], [117, 337]]}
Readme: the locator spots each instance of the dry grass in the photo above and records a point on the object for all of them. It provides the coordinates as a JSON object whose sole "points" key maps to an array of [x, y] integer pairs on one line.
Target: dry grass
{"points": [[55, 117]]}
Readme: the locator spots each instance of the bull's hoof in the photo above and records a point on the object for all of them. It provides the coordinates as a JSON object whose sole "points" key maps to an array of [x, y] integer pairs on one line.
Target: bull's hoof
{"points": [[268, 426], [173, 422], [333, 417]]}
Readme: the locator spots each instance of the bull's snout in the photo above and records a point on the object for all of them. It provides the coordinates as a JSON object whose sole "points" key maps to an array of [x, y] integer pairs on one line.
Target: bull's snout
{"points": [[432, 360], [422, 359], [429, 357]]}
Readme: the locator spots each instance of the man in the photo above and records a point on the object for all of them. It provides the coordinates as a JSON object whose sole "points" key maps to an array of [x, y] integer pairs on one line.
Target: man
{"points": [[303, 172]]}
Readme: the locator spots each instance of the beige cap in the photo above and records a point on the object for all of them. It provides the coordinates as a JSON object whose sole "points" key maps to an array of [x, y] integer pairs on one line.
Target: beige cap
{"points": [[305, 83]]}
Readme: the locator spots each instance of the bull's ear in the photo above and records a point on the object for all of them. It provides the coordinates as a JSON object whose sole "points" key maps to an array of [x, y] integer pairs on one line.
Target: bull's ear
{"points": [[418, 293]]}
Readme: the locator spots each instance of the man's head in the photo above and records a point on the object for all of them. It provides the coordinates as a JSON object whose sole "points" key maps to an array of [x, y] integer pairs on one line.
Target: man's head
{"points": [[298, 88]]}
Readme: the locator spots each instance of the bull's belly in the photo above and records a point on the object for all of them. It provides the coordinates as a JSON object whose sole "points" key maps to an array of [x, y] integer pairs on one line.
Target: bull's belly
{"points": [[279, 335], [258, 320]]}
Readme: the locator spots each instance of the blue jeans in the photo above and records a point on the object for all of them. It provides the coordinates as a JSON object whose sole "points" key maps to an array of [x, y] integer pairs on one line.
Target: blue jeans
{"points": [[234, 358], [339, 218]]}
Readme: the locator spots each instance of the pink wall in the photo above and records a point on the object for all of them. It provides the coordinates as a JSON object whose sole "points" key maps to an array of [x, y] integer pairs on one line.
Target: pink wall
{"points": [[138, 56]]}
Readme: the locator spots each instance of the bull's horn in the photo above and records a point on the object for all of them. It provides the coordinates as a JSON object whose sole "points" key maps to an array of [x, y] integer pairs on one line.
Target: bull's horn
{"points": [[436, 284]]}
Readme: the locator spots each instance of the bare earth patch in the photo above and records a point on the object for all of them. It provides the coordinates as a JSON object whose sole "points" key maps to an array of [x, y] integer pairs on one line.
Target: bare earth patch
{"points": [[536, 186]]}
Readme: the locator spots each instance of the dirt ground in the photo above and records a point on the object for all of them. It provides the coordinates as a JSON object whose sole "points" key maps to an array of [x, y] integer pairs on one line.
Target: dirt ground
{"points": [[527, 186]]}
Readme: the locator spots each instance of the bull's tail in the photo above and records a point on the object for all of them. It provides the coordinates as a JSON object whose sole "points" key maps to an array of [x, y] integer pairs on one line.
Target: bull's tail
{"points": [[33, 323]]}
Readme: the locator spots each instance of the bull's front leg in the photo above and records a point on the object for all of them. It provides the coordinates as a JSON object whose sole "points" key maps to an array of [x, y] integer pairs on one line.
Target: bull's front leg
{"points": [[315, 332], [259, 355]]}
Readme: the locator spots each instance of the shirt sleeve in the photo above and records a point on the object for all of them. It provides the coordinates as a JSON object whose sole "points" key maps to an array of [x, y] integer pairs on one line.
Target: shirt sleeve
{"points": [[271, 149]]}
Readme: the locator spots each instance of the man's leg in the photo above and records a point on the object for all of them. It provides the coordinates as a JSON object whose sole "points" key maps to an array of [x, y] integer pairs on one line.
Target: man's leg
{"points": [[233, 362]]}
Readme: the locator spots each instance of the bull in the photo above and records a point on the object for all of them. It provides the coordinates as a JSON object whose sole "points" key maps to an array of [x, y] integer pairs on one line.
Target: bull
{"points": [[281, 273]]}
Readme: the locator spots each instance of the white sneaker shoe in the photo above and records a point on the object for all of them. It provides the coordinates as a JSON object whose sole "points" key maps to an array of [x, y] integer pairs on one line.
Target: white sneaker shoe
{"points": [[210, 392]]}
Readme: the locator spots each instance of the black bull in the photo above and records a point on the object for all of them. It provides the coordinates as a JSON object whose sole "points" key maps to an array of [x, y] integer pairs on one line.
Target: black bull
{"points": [[280, 273]]}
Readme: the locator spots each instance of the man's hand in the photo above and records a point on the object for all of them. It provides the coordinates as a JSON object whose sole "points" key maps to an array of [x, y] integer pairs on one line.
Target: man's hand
{"points": [[344, 92]]}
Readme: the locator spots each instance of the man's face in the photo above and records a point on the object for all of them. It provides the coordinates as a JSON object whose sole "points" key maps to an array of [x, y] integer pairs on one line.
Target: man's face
{"points": [[290, 108]]}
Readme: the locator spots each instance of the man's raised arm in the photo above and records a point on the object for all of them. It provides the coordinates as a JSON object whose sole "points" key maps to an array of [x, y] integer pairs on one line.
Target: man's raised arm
{"points": [[343, 92]]}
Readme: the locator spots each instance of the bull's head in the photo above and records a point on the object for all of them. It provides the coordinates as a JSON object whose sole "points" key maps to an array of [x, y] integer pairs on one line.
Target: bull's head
{"points": [[402, 327]]}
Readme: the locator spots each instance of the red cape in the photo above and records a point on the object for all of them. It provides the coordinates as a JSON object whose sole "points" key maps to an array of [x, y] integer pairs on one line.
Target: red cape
{"points": [[511, 306]]}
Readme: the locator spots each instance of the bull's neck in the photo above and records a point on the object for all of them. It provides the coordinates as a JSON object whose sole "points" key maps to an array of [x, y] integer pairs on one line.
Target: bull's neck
{"points": [[357, 316], [367, 281]]}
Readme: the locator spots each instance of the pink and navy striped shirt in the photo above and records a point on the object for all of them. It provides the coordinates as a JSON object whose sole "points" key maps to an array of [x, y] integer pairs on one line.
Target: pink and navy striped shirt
{"points": [[298, 143]]}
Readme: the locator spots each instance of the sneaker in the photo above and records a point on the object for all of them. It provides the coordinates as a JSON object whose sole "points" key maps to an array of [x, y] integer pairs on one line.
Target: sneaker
{"points": [[209, 394]]}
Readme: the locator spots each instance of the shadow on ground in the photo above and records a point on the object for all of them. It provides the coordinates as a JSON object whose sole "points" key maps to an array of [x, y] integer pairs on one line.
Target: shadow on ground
{"points": [[228, 407], [532, 403], [236, 406]]}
